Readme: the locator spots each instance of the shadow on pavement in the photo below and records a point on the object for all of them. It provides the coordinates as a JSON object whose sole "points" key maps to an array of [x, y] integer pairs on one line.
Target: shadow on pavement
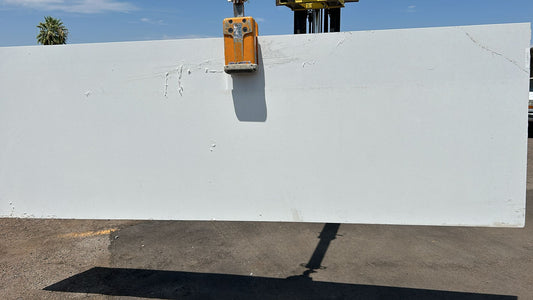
{"points": [[185, 285]]}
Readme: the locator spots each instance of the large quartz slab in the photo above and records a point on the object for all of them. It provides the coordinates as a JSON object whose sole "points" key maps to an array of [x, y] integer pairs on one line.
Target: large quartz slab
{"points": [[416, 126]]}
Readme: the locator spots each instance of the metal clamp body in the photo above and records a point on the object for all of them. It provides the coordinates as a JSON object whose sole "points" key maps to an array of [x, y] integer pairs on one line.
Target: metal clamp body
{"points": [[240, 44]]}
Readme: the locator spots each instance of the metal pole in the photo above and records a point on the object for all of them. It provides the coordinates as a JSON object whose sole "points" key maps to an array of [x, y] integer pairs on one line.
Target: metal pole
{"points": [[316, 24], [238, 9], [300, 21], [311, 19], [320, 18], [315, 21], [335, 20], [326, 20]]}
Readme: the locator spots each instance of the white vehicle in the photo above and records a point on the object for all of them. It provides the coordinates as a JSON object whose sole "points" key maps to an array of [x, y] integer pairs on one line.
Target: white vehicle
{"points": [[530, 111]]}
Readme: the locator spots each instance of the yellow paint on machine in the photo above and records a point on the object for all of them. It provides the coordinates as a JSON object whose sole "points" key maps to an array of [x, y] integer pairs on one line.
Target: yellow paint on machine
{"points": [[88, 233]]}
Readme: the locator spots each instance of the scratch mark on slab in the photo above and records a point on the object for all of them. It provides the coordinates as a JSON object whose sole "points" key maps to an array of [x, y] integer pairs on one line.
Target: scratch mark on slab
{"points": [[344, 38], [494, 52], [180, 74], [308, 63], [166, 84], [296, 217], [207, 70], [340, 42], [12, 214]]}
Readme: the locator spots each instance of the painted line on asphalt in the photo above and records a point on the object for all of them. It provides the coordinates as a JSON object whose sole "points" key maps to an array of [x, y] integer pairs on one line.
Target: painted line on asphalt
{"points": [[88, 233]]}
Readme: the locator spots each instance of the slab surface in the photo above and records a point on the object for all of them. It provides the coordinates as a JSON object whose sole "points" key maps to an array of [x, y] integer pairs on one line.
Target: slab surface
{"points": [[418, 126]]}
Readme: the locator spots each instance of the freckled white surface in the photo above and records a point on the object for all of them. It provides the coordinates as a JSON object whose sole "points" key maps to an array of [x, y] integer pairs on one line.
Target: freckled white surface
{"points": [[418, 126]]}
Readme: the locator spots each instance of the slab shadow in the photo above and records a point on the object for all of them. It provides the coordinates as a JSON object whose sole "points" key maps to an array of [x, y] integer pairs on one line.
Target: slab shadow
{"points": [[249, 94], [187, 285]]}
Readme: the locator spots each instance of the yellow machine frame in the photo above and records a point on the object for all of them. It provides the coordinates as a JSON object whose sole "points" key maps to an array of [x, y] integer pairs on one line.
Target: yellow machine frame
{"points": [[312, 4]]}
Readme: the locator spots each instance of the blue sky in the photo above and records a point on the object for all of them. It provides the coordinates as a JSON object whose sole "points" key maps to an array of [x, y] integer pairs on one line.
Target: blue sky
{"points": [[91, 21]]}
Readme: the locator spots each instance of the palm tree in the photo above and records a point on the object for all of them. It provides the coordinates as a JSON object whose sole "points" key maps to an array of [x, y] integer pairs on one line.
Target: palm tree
{"points": [[52, 32]]}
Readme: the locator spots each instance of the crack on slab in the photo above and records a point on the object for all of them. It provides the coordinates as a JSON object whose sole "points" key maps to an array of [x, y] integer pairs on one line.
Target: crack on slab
{"points": [[495, 53]]}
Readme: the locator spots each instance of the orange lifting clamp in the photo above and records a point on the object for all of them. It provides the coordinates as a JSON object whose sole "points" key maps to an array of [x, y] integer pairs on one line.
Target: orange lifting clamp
{"points": [[240, 41]]}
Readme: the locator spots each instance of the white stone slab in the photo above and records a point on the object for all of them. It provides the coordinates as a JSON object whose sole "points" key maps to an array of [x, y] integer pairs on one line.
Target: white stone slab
{"points": [[418, 126]]}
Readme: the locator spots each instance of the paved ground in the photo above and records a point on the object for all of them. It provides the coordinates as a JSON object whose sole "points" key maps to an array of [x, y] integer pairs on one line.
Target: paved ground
{"points": [[51, 259]]}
